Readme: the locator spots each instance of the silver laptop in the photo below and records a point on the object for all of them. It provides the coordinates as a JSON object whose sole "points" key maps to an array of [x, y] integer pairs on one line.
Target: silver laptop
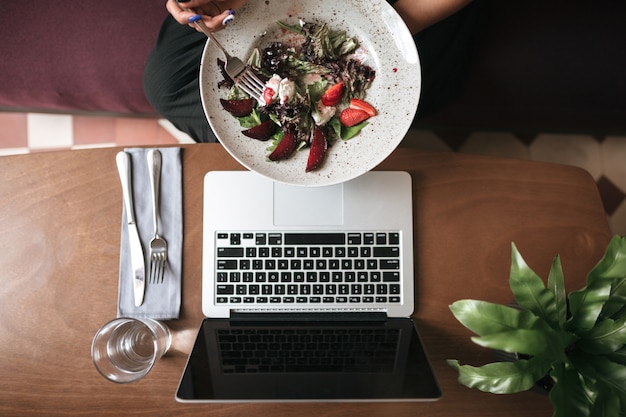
{"points": [[281, 248], [307, 293]]}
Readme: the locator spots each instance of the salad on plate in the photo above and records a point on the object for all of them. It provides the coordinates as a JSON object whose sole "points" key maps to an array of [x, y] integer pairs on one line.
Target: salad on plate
{"points": [[316, 81]]}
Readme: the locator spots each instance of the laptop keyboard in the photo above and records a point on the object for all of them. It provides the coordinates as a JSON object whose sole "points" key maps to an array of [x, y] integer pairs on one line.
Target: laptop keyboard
{"points": [[314, 268], [353, 349]]}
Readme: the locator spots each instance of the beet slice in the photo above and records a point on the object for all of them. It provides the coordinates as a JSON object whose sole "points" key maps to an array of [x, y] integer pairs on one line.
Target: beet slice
{"points": [[238, 108], [319, 144], [285, 147], [262, 131]]}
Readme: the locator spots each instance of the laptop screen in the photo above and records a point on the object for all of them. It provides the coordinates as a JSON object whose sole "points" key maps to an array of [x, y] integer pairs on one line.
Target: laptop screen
{"points": [[239, 360]]}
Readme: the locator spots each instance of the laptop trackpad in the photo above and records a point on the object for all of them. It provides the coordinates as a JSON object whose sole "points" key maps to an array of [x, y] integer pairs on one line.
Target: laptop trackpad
{"points": [[308, 206]]}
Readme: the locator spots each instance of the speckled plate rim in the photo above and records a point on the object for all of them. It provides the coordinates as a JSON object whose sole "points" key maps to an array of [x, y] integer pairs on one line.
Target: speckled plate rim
{"points": [[394, 93]]}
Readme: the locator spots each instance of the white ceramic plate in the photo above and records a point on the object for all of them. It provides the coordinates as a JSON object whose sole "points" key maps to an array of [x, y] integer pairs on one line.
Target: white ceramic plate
{"points": [[394, 92]]}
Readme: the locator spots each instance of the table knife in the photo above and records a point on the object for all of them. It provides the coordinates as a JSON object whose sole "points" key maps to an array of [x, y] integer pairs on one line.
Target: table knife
{"points": [[136, 250]]}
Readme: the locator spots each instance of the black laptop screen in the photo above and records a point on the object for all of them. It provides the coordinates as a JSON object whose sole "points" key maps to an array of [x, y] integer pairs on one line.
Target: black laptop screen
{"points": [[307, 361]]}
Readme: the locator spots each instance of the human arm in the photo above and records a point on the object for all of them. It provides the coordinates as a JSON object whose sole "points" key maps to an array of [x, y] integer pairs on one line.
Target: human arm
{"points": [[420, 14], [213, 12]]}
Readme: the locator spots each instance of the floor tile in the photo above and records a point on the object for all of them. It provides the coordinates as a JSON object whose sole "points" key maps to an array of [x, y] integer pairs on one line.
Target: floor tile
{"points": [[614, 158], [181, 137], [89, 130], [618, 220], [13, 151], [579, 150], [140, 132], [13, 130], [49, 131], [499, 144], [453, 138], [425, 140], [611, 195]]}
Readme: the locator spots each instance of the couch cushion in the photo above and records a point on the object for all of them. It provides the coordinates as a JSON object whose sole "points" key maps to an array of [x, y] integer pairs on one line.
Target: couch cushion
{"points": [[83, 55]]}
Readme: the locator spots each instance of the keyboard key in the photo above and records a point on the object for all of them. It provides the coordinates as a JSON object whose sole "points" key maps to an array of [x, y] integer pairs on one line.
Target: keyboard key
{"points": [[354, 238], [386, 251], [225, 289], [275, 239], [227, 264], [260, 239], [391, 276], [315, 238], [389, 264], [230, 252]]}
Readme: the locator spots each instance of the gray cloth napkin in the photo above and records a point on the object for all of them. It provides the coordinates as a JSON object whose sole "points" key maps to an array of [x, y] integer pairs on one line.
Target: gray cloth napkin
{"points": [[161, 301]]}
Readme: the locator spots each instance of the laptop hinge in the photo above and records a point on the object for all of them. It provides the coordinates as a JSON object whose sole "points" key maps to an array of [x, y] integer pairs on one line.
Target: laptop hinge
{"points": [[307, 317]]}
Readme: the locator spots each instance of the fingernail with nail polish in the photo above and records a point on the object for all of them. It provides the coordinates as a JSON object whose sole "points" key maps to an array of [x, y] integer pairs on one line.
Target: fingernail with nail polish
{"points": [[228, 19], [194, 18]]}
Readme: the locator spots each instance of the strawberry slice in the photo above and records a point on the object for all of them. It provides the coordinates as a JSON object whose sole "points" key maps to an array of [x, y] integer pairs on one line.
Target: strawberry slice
{"points": [[238, 108], [333, 95], [268, 95], [261, 131], [319, 144], [285, 147], [350, 116], [356, 103]]}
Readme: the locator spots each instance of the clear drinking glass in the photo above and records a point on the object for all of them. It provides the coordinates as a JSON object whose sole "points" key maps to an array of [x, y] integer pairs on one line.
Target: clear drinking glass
{"points": [[125, 349]]}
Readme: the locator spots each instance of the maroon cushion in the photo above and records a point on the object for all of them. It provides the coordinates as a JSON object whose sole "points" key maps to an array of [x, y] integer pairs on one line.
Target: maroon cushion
{"points": [[77, 55]]}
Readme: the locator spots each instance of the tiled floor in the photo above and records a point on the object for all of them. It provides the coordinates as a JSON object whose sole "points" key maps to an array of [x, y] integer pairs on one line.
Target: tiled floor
{"points": [[36, 132], [603, 157]]}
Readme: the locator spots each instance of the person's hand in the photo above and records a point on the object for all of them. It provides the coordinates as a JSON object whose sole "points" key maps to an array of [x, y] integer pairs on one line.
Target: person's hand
{"points": [[214, 13]]}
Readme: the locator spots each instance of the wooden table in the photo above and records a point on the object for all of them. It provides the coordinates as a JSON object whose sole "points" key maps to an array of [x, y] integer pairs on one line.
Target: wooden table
{"points": [[60, 219]]}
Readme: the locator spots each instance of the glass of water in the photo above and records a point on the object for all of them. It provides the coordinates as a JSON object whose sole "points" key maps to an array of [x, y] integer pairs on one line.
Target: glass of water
{"points": [[125, 349]]}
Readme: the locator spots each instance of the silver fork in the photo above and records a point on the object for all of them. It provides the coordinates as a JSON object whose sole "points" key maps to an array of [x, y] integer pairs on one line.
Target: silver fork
{"points": [[158, 245], [236, 69]]}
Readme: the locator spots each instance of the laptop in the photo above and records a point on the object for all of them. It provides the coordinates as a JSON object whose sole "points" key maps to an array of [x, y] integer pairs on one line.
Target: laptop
{"points": [[307, 293]]}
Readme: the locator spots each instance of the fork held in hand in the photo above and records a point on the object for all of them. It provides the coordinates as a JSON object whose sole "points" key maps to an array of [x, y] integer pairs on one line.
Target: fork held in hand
{"points": [[236, 69], [158, 245]]}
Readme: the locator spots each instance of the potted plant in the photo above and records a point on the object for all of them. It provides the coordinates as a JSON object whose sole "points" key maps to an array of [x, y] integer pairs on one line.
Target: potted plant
{"points": [[576, 339]]}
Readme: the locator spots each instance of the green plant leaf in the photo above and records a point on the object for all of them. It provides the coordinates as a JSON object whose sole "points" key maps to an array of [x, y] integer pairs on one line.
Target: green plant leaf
{"points": [[606, 337], [587, 303], [502, 377], [614, 306], [601, 369], [556, 284], [547, 344], [569, 395], [485, 318], [529, 290], [618, 356], [607, 404]]}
